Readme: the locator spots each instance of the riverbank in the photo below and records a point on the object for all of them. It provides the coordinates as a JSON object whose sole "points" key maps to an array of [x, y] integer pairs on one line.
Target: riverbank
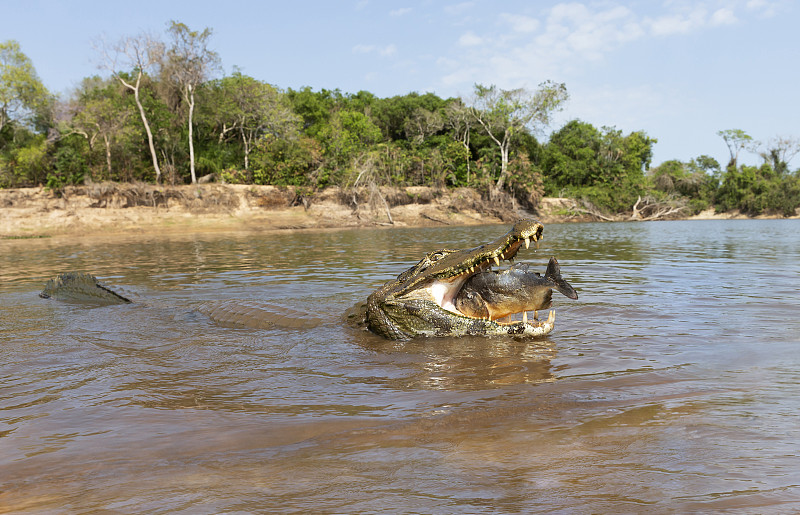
{"points": [[143, 208]]}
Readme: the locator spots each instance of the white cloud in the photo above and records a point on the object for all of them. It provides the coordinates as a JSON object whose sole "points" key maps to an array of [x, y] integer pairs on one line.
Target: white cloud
{"points": [[563, 40], [457, 9], [470, 39], [679, 23], [723, 16], [363, 49], [573, 30], [400, 12], [766, 8], [385, 51], [520, 23], [388, 50]]}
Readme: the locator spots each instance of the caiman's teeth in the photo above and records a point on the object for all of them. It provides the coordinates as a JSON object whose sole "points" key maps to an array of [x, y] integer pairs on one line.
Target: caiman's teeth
{"points": [[551, 317], [524, 317], [497, 261], [527, 243]]}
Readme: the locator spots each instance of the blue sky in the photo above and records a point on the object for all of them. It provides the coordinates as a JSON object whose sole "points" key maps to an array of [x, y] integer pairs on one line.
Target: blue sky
{"points": [[679, 70]]}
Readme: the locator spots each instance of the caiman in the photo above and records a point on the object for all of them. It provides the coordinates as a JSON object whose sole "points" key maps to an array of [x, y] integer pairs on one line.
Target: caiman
{"points": [[448, 293], [424, 300]]}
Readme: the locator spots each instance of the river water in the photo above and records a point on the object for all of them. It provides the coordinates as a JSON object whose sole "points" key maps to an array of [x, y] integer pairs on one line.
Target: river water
{"points": [[671, 386]]}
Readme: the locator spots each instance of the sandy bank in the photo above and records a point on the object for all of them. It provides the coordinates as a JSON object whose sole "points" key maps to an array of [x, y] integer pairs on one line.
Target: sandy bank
{"points": [[145, 208], [132, 208]]}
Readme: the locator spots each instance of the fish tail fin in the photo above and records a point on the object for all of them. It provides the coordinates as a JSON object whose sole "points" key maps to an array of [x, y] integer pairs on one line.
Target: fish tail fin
{"points": [[553, 273]]}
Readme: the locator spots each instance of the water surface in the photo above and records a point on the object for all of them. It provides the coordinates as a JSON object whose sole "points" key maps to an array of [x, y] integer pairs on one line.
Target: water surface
{"points": [[672, 385]]}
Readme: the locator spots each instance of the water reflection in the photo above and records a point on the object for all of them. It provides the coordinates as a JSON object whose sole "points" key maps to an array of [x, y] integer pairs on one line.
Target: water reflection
{"points": [[472, 362]]}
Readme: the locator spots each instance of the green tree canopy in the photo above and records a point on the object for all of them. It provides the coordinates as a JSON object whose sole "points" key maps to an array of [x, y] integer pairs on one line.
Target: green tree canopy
{"points": [[736, 140], [22, 94], [503, 114], [248, 108]]}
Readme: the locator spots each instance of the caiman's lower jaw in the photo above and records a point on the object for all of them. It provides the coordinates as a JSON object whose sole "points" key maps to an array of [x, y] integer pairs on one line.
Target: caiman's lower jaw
{"points": [[443, 293]]}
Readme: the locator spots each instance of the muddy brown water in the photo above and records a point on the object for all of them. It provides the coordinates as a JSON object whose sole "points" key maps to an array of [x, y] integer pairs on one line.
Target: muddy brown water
{"points": [[671, 386]]}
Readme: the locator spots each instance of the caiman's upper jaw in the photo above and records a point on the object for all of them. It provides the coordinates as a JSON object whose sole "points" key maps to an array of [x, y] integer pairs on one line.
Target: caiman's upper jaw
{"points": [[484, 256], [455, 267]]}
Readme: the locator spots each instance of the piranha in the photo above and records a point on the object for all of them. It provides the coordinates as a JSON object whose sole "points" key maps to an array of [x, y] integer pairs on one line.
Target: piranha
{"points": [[497, 295]]}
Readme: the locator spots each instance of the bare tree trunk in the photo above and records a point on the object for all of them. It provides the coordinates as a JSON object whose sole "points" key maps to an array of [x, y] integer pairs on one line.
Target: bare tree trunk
{"points": [[498, 187], [466, 146], [189, 96], [135, 89], [108, 155], [246, 144], [191, 138]]}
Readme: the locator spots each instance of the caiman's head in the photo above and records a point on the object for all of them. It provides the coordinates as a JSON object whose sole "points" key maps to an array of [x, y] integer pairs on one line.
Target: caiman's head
{"points": [[420, 302]]}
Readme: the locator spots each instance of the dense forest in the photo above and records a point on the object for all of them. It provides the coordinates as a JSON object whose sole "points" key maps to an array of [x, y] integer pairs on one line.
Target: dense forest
{"points": [[162, 113]]}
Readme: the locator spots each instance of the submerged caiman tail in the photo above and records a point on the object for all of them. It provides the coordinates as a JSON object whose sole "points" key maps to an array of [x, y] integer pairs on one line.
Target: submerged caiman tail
{"points": [[86, 289], [421, 301], [80, 287]]}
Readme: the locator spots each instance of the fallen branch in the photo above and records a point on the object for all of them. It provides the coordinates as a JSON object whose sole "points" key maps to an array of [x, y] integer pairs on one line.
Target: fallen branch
{"points": [[587, 208], [657, 209]]}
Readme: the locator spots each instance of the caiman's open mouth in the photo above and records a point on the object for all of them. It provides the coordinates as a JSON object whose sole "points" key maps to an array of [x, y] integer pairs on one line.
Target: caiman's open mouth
{"points": [[444, 290], [422, 299]]}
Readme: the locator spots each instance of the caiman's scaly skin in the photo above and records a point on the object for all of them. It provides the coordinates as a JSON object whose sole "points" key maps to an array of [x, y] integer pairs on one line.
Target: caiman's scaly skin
{"points": [[420, 301]]}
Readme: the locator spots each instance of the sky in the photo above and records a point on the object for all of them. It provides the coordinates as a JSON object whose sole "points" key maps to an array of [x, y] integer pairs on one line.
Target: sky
{"points": [[678, 70]]}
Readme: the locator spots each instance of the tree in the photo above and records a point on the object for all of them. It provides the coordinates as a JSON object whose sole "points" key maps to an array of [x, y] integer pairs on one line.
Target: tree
{"points": [[22, 94], [603, 167], [391, 114], [570, 156], [252, 108], [422, 124], [315, 108], [737, 140], [140, 54], [758, 190], [705, 164], [95, 111], [779, 151], [190, 62], [459, 121], [505, 113], [348, 135]]}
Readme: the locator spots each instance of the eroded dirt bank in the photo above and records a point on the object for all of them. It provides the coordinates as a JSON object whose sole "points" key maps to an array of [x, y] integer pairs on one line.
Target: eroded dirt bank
{"points": [[132, 208], [117, 208]]}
